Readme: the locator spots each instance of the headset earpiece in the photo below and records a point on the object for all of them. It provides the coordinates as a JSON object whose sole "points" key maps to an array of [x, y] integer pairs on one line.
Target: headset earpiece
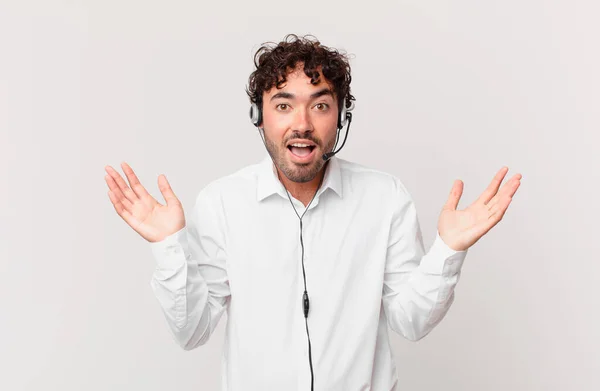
{"points": [[255, 114], [343, 118]]}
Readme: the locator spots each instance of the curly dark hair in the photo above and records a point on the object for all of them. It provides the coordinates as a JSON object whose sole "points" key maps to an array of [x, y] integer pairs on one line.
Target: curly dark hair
{"points": [[274, 62]]}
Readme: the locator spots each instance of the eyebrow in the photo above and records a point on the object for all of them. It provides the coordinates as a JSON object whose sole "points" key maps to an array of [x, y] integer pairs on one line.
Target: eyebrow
{"points": [[287, 95]]}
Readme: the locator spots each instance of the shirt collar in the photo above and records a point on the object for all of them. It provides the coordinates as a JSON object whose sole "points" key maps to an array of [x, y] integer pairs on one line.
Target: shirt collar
{"points": [[268, 183]]}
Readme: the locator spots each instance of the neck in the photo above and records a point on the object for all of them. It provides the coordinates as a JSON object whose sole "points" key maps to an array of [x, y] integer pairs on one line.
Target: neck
{"points": [[303, 191]]}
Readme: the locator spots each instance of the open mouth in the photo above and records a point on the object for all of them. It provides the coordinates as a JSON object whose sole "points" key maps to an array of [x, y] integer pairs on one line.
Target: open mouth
{"points": [[302, 153]]}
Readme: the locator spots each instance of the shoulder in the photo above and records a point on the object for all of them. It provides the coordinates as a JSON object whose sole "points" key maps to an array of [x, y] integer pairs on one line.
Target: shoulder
{"points": [[359, 177], [238, 182]]}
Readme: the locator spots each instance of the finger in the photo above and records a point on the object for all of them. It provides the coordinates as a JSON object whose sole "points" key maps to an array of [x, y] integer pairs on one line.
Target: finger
{"points": [[497, 211], [509, 189], [514, 185], [127, 192], [492, 188], [511, 186], [121, 211], [134, 182], [166, 190], [117, 194], [502, 195], [455, 194], [116, 203]]}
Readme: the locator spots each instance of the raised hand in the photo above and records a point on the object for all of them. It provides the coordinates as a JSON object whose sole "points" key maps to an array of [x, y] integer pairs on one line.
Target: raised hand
{"points": [[153, 221], [460, 229]]}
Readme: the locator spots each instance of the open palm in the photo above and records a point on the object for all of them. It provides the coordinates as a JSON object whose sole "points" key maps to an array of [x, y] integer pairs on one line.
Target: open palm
{"points": [[152, 220], [460, 229]]}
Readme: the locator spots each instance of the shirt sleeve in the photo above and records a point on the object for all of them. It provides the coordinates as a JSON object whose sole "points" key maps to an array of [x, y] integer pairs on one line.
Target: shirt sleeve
{"points": [[190, 279], [418, 287]]}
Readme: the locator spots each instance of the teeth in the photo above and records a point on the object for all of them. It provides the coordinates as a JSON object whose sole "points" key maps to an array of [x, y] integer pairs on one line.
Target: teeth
{"points": [[300, 145]]}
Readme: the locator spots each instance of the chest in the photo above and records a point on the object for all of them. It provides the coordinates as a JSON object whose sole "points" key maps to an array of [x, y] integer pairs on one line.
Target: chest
{"points": [[342, 248]]}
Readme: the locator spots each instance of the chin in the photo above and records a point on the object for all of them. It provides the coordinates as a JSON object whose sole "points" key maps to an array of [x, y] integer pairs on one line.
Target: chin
{"points": [[302, 170]]}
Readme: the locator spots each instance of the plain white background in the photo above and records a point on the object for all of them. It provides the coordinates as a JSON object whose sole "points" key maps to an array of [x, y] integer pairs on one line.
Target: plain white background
{"points": [[445, 90]]}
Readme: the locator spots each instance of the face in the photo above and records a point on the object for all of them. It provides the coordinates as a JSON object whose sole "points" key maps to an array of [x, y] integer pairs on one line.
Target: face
{"points": [[302, 113]]}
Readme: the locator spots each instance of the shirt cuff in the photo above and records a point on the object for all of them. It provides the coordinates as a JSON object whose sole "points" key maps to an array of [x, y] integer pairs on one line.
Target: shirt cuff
{"points": [[442, 259], [169, 253]]}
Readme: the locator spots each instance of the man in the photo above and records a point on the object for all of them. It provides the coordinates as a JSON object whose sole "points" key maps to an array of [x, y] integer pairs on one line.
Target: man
{"points": [[311, 256]]}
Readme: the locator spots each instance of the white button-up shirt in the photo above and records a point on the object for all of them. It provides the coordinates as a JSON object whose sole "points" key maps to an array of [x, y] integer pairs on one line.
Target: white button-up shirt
{"points": [[366, 269]]}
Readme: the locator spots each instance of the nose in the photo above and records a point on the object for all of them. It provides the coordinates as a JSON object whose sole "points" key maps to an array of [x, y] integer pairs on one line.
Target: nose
{"points": [[302, 121]]}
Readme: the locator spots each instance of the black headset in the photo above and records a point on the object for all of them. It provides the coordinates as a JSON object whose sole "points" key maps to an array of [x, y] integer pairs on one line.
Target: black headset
{"points": [[344, 116]]}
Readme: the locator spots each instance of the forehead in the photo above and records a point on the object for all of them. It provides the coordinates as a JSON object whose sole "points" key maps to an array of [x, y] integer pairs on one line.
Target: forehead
{"points": [[296, 80]]}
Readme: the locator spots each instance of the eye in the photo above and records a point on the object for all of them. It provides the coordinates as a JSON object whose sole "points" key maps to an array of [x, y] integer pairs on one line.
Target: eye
{"points": [[282, 104], [322, 106]]}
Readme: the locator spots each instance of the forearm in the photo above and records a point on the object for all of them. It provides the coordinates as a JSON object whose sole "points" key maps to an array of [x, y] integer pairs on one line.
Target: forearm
{"points": [[189, 308], [417, 300]]}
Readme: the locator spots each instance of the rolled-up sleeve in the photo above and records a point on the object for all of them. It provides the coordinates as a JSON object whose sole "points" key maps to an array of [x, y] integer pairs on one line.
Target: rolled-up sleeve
{"points": [[190, 278], [418, 287]]}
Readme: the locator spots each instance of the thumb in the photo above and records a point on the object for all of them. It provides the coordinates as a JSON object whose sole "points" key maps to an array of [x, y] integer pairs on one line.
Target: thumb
{"points": [[455, 194], [166, 191]]}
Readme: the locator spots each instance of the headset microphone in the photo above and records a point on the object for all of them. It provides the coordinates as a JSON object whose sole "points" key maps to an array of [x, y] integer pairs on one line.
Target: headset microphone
{"points": [[329, 155]]}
